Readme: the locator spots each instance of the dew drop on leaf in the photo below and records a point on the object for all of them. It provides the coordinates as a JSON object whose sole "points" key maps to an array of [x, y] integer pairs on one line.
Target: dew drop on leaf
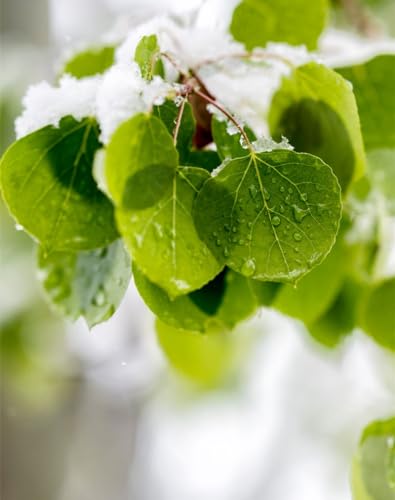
{"points": [[276, 221], [248, 268], [299, 213], [297, 236]]}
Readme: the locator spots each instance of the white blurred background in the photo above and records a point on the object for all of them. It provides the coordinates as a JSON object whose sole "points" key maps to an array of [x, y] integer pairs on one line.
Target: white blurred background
{"points": [[99, 415]]}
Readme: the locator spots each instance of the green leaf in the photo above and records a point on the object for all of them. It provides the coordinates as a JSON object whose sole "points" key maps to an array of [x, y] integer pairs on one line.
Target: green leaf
{"points": [[270, 216], [340, 319], [265, 291], [209, 160], [316, 291], [49, 189], [168, 113], [228, 146], [373, 84], [90, 62], [89, 284], [205, 359], [300, 22], [162, 237], [147, 56], [377, 314], [224, 302], [141, 142], [374, 465], [315, 109]]}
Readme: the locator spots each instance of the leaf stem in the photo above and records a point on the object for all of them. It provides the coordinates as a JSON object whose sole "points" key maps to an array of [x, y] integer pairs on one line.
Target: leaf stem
{"points": [[227, 114], [178, 121]]}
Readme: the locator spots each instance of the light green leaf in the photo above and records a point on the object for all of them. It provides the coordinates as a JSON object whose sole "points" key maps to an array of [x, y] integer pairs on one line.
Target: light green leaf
{"points": [[224, 302], [315, 109], [90, 62], [377, 316], [89, 284], [300, 22], [168, 113], [147, 56], [205, 359], [141, 142], [374, 465], [381, 173], [315, 292], [161, 236], [270, 216], [49, 189], [228, 146], [373, 84]]}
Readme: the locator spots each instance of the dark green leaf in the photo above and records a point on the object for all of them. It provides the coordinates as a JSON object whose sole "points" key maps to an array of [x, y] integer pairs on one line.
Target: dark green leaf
{"points": [[168, 113], [89, 284], [48, 186], [90, 62], [300, 22], [316, 110], [373, 84], [228, 146], [225, 302], [340, 319], [271, 216], [147, 56]]}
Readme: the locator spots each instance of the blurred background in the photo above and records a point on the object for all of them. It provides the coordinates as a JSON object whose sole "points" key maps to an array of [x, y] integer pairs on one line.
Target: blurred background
{"points": [[99, 415]]}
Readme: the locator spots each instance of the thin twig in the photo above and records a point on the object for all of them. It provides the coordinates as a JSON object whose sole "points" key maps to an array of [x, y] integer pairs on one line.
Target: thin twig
{"points": [[244, 55], [227, 114]]}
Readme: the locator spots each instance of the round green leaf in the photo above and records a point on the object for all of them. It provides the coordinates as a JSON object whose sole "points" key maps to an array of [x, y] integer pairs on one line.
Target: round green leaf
{"points": [[143, 141], [374, 465], [89, 284], [270, 216], [162, 237], [300, 22], [373, 85], [204, 359], [90, 62], [315, 109], [47, 184]]}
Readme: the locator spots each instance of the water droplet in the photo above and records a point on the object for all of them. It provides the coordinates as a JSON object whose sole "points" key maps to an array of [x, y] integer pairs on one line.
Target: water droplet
{"points": [[274, 180], [288, 199], [299, 213], [282, 189], [282, 209], [253, 191], [276, 221], [290, 190], [218, 242], [297, 236], [296, 249], [303, 196], [100, 298], [18, 227], [266, 194], [226, 252], [248, 268], [227, 228], [241, 242], [215, 234], [249, 224], [234, 229]]}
